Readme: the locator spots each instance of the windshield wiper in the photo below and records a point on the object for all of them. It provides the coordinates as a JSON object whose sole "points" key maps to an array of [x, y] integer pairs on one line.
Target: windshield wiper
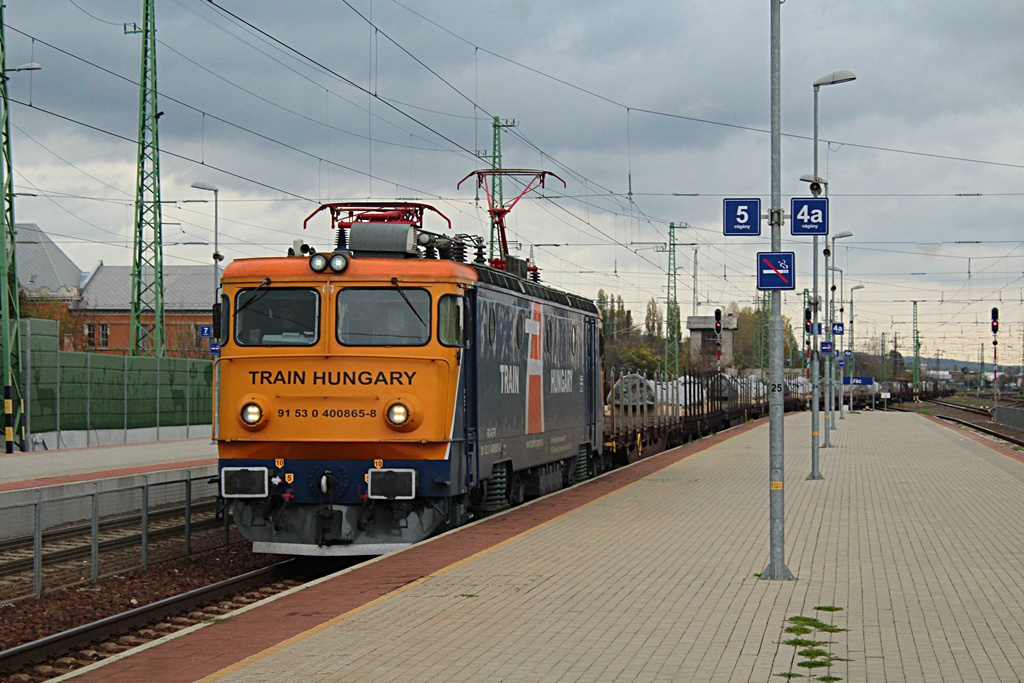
{"points": [[255, 297], [412, 308]]}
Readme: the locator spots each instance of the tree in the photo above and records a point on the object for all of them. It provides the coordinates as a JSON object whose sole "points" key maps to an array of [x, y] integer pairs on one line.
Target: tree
{"points": [[70, 329], [605, 309], [653, 322], [623, 319]]}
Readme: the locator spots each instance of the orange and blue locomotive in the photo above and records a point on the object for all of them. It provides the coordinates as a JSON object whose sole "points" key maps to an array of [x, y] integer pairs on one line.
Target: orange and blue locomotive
{"points": [[375, 394]]}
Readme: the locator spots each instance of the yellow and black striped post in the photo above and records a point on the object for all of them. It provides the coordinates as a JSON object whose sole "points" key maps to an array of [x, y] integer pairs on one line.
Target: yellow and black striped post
{"points": [[8, 416]]}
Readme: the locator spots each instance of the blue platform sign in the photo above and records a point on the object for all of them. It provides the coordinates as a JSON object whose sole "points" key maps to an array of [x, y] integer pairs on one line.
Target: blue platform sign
{"points": [[808, 216], [826, 347], [837, 329], [841, 362], [848, 352], [214, 347], [859, 381], [206, 331], [741, 217], [775, 270]]}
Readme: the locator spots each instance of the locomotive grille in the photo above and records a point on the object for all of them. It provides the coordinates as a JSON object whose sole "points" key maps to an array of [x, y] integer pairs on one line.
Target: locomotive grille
{"points": [[392, 484], [244, 482]]}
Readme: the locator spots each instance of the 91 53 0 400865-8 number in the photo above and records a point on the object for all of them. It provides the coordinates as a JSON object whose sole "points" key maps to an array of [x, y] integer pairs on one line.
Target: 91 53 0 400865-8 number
{"points": [[328, 412]]}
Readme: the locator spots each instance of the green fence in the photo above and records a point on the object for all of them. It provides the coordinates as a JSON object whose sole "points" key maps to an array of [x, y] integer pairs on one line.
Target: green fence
{"points": [[76, 391]]}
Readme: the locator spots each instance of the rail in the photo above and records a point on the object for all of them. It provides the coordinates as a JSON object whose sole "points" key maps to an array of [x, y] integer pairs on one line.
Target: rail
{"points": [[59, 643], [165, 520]]}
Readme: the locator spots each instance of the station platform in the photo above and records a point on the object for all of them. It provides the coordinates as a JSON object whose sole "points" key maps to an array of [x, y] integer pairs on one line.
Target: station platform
{"points": [[913, 541], [36, 469]]}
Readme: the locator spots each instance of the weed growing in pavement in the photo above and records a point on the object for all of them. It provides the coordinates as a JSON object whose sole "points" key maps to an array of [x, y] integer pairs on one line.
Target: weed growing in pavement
{"points": [[802, 642], [468, 595], [815, 653]]}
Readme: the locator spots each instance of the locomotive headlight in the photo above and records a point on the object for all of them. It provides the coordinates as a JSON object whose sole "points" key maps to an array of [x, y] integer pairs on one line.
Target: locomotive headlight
{"points": [[398, 414], [252, 413], [404, 413], [339, 262], [318, 262]]}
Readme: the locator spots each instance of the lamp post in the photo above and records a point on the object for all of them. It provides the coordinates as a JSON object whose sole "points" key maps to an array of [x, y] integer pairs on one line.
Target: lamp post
{"points": [[830, 306], [817, 185], [853, 348], [217, 258], [840, 345]]}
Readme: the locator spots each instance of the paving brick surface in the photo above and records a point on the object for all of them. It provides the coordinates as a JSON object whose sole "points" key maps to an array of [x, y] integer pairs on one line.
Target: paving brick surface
{"points": [[916, 532]]}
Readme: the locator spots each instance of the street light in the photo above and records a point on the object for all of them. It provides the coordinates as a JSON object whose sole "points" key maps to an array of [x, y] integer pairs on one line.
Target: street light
{"points": [[217, 258], [830, 308], [839, 346], [853, 357], [818, 184]]}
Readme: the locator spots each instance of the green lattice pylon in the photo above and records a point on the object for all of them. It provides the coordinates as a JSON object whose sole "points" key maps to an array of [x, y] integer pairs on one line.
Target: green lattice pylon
{"points": [[10, 314], [147, 305], [673, 325], [497, 196]]}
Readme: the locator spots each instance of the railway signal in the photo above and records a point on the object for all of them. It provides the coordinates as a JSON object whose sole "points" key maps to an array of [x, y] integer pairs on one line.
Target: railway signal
{"points": [[807, 320], [718, 338], [995, 357]]}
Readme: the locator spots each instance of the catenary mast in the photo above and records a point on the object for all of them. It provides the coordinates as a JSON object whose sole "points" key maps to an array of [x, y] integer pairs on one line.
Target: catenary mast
{"points": [[147, 304]]}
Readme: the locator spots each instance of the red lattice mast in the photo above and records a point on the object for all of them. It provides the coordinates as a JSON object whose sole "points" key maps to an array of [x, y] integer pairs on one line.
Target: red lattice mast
{"points": [[498, 213]]}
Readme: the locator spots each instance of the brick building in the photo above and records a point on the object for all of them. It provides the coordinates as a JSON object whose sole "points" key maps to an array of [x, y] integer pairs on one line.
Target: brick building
{"points": [[99, 300]]}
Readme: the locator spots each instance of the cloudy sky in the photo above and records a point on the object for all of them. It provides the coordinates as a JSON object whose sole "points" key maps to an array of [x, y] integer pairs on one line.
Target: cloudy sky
{"points": [[652, 112]]}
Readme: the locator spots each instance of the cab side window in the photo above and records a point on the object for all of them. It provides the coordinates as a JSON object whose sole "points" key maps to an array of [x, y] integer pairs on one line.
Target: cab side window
{"points": [[450, 320]]}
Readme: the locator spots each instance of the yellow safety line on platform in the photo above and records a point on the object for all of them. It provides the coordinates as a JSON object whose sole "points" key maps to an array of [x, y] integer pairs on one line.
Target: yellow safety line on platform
{"points": [[356, 610]]}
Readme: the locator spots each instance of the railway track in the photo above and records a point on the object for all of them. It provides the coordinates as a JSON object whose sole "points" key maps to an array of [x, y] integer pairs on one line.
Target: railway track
{"points": [[978, 419], [106, 526], [118, 548], [967, 409], [74, 543], [62, 652]]}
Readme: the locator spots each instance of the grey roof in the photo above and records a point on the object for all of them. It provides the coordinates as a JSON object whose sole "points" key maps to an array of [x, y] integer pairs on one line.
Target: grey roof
{"points": [[42, 267], [186, 288]]}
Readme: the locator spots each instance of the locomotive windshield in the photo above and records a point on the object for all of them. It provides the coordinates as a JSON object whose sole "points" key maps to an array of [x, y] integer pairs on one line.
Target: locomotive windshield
{"points": [[277, 317], [383, 317]]}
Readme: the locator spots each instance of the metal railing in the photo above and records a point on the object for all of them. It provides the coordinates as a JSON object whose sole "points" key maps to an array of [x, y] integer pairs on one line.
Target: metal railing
{"points": [[1009, 417], [46, 544]]}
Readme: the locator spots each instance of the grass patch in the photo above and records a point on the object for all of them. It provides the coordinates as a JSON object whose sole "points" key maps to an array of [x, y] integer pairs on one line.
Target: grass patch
{"points": [[815, 654], [803, 642], [812, 663], [799, 630], [468, 595]]}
